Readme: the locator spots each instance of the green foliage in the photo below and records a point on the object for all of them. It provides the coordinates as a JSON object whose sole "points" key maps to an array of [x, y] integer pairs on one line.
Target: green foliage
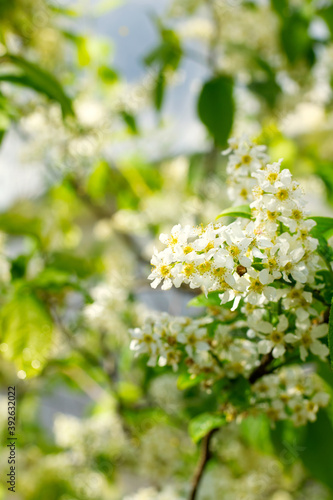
{"points": [[17, 224], [324, 227], [32, 76], [186, 380], [216, 108], [26, 329], [202, 424], [326, 12], [295, 39], [256, 432], [74, 258], [330, 335], [201, 300], [240, 211], [166, 56]]}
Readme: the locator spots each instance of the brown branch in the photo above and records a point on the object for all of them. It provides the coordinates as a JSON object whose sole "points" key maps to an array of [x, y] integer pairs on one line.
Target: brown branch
{"points": [[206, 455], [262, 368]]}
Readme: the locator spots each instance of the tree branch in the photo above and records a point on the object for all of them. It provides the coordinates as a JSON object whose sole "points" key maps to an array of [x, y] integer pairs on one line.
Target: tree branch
{"points": [[206, 455], [262, 368]]}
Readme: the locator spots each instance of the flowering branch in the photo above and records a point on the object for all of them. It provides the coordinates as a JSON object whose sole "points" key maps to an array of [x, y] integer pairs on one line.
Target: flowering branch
{"points": [[268, 265]]}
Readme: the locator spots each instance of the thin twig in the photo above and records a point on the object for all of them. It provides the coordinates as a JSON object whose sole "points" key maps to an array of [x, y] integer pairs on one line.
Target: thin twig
{"points": [[206, 455], [262, 368]]}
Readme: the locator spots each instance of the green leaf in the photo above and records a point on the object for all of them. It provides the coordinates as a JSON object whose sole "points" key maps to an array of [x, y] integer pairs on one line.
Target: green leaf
{"points": [[159, 91], [281, 7], [200, 425], [324, 227], [107, 74], [317, 454], [240, 211], [130, 121], [169, 53], [201, 300], [15, 223], [330, 334], [187, 380], [57, 281], [256, 432], [295, 39], [32, 76], [26, 331], [327, 14], [268, 89], [216, 108], [69, 263]]}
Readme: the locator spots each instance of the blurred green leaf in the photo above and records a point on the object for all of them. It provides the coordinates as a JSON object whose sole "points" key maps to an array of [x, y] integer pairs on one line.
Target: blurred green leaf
{"points": [[32, 76], [281, 7], [202, 424], [128, 393], [216, 108], [256, 432], [26, 329], [100, 181], [317, 454], [326, 12], [17, 224], [130, 121], [169, 53], [240, 211], [324, 227], [295, 39], [69, 263], [201, 300], [159, 90], [330, 335], [186, 380], [267, 88], [107, 74]]}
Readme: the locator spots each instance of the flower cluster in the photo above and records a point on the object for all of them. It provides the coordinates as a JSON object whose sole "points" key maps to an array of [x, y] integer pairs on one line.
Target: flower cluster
{"points": [[167, 340], [263, 269], [290, 394], [253, 259], [245, 159]]}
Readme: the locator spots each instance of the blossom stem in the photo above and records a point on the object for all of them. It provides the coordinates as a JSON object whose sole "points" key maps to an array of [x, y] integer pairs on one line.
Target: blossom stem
{"points": [[262, 368], [206, 455]]}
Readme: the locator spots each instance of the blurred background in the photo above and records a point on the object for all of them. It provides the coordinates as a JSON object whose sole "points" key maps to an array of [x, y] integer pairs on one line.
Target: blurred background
{"points": [[113, 115]]}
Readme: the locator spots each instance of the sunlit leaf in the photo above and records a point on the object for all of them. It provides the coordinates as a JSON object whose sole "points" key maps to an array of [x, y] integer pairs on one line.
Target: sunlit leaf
{"points": [[186, 380], [240, 211], [17, 224], [295, 39], [324, 227], [31, 75], [216, 108], [26, 332], [201, 300], [202, 424]]}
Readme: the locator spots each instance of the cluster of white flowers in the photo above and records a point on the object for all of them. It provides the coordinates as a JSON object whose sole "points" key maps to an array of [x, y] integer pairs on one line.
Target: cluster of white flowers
{"points": [[170, 340], [99, 433], [264, 266], [167, 339], [290, 394], [251, 259], [245, 159]]}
